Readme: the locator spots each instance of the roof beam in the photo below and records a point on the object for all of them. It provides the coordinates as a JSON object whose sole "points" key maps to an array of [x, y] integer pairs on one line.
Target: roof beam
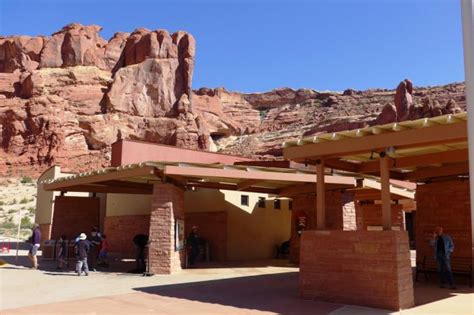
{"points": [[107, 189], [101, 177], [442, 171], [232, 187], [246, 184], [452, 156], [449, 133]]}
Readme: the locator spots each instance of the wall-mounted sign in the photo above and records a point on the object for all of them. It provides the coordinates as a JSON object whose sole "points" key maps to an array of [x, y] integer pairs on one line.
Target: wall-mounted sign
{"points": [[179, 234]]}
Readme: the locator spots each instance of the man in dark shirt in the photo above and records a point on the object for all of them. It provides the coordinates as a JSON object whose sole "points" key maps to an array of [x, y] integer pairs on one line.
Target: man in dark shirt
{"points": [[35, 244], [82, 250], [193, 241], [140, 241], [443, 247], [96, 238]]}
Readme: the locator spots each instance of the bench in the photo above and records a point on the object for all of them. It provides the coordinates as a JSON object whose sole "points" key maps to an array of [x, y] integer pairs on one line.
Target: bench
{"points": [[459, 266]]}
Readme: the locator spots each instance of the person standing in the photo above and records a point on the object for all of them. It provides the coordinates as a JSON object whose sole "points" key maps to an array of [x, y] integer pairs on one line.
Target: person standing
{"points": [[443, 248], [82, 251], [62, 253], [140, 241], [193, 241], [35, 245], [96, 239]]}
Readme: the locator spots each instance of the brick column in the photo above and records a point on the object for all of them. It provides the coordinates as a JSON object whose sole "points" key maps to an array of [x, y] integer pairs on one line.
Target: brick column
{"points": [[167, 206]]}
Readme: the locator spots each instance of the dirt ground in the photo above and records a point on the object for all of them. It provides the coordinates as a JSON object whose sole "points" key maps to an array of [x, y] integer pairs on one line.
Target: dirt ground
{"points": [[253, 288]]}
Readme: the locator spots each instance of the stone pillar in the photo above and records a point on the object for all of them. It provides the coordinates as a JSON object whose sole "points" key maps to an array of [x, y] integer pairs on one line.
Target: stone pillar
{"points": [[167, 206], [369, 268]]}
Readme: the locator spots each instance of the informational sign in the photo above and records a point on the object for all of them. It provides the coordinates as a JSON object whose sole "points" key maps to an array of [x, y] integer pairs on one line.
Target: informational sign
{"points": [[179, 234]]}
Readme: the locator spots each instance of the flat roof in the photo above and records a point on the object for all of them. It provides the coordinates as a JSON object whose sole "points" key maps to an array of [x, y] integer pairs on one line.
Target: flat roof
{"points": [[419, 150], [139, 178]]}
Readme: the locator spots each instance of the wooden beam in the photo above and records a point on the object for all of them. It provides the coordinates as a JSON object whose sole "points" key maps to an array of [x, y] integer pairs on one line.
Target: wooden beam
{"points": [[246, 184], [441, 171], [206, 172], [438, 134], [385, 192], [122, 183], [112, 175], [271, 191], [320, 196], [107, 189], [309, 189], [342, 165], [452, 156]]}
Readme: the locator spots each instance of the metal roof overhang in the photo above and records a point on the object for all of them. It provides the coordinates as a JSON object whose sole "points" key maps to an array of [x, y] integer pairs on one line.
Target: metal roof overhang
{"points": [[139, 179], [419, 150]]}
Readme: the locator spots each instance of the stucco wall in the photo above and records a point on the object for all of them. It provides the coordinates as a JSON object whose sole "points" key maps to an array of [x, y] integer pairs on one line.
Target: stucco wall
{"points": [[252, 232], [126, 204]]}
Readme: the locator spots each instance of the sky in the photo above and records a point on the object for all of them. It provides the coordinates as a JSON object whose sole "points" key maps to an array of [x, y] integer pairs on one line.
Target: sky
{"points": [[256, 46]]}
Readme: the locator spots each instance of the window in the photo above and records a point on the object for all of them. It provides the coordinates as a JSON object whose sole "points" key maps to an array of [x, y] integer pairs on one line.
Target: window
{"points": [[290, 204], [277, 204], [244, 200], [261, 202]]}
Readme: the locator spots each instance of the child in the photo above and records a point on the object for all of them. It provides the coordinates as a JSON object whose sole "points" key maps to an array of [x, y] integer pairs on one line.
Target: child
{"points": [[104, 246], [62, 253]]}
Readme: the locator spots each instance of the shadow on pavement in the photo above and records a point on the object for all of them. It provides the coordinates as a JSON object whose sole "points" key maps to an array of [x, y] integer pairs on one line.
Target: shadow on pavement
{"points": [[276, 293]]}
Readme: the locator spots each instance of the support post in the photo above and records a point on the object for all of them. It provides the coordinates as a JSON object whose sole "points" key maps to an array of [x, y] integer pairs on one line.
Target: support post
{"points": [[385, 189], [320, 196], [468, 42]]}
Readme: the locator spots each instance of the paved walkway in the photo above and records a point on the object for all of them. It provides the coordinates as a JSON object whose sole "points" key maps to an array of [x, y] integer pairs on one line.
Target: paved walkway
{"points": [[231, 290]]}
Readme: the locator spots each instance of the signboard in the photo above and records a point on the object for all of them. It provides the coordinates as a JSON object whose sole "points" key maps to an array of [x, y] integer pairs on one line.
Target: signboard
{"points": [[179, 234]]}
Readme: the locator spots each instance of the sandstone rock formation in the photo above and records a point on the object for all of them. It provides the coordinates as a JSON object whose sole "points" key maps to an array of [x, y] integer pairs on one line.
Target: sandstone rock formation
{"points": [[66, 98]]}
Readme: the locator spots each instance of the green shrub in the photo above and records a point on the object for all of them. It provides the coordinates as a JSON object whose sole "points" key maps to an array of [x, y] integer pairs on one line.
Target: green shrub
{"points": [[2, 203], [26, 180], [7, 225], [32, 209], [24, 200], [26, 222], [11, 211]]}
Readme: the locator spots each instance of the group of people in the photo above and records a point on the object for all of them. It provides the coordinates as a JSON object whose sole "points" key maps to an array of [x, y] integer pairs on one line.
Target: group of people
{"points": [[90, 252]]}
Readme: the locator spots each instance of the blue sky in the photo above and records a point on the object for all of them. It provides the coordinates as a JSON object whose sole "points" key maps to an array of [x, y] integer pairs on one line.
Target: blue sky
{"points": [[259, 45]]}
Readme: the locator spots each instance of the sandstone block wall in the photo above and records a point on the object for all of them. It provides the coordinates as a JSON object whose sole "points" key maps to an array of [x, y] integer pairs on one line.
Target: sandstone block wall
{"points": [[371, 215], [340, 214], [443, 204], [74, 215], [369, 268], [120, 231], [167, 206]]}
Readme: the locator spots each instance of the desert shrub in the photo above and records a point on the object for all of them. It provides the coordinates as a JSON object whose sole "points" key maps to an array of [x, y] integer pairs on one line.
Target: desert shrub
{"points": [[2, 203], [26, 222], [13, 201], [26, 180], [11, 211], [7, 225], [24, 200], [32, 209]]}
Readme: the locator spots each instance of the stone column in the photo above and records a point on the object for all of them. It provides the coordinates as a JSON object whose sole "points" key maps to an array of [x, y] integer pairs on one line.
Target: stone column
{"points": [[167, 206]]}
